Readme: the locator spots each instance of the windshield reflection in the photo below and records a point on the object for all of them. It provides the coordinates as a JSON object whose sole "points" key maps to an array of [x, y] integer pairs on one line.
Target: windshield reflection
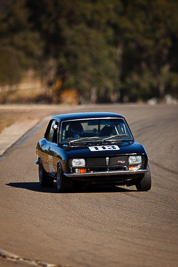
{"points": [[95, 129]]}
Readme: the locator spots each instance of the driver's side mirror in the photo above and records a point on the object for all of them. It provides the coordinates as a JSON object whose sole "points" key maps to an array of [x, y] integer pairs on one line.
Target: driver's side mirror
{"points": [[54, 127]]}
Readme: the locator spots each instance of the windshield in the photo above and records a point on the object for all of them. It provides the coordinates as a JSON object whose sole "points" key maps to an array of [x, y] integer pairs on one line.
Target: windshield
{"points": [[95, 130]]}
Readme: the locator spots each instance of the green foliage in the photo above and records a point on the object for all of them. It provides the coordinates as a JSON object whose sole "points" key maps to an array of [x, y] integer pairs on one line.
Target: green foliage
{"points": [[106, 50], [10, 70], [20, 44], [151, 36], [87, 62]]}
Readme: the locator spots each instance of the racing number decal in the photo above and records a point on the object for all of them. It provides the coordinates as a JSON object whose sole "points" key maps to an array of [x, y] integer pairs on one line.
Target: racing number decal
{"points": [[101, 148]]}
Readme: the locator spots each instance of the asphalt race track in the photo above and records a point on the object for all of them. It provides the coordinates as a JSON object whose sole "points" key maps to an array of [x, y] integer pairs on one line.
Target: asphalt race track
{"points": [[99, 226]]}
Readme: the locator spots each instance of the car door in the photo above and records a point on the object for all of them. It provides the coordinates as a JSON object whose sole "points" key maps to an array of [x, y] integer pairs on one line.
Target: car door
{"points": [[50, 146], [53, 150]]}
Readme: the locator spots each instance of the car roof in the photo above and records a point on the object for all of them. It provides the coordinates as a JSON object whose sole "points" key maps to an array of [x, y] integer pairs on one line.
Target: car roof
{"points": [[86, 115]]}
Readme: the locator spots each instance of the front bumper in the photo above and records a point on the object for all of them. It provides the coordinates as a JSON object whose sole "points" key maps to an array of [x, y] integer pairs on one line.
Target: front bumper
{"points": [[106, 173]]}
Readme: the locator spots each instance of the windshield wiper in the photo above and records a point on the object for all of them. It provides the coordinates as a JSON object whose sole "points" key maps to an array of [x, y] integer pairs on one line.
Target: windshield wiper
{"points": [[117, 135], [93, 137], [83, 138]]}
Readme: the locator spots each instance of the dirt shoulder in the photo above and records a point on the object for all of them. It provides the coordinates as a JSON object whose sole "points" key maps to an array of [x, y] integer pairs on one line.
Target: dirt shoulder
{"points": [[10, 114], [17, 120]]}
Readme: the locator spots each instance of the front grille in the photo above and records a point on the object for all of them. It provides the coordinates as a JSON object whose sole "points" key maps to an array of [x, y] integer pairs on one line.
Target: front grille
{"points": [[144, 162], [114, 162], [119, 161], [96, 162]]}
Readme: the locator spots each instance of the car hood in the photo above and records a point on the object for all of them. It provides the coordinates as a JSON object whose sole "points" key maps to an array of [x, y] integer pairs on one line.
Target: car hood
{"points": [[121, 149]]}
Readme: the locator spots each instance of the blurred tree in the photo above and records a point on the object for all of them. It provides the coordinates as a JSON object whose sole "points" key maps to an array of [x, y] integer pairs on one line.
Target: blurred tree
{"points": [[106, 50], [87, 62], [20, 43], [77, 37], [10, 69], [149, 31]]}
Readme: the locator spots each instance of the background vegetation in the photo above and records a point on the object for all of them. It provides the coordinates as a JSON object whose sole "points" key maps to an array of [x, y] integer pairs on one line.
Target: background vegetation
{"points": [[105, 50]]}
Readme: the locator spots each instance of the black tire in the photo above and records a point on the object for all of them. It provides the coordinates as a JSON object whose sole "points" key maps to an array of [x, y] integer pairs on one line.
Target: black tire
{"points": [[63, 183], [144, 184], [44, 179]]}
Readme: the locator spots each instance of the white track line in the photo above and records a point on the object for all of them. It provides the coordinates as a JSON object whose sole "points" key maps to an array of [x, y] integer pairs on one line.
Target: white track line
{"points": [[18, 259]]}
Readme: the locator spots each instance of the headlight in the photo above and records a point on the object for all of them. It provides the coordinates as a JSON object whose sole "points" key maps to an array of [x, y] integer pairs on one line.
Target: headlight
{"points": [[78, 163], [135, 160]]}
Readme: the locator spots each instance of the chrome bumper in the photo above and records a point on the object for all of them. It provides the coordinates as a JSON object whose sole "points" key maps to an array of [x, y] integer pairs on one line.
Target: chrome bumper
{"points": [[106, 173]]}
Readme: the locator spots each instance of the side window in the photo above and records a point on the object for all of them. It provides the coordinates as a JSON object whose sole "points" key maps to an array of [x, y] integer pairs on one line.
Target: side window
{"points": [[47, 130], [51, 133]]}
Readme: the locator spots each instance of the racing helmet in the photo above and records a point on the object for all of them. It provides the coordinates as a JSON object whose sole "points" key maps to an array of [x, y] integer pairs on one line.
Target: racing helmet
{"points": [[75, 129]]}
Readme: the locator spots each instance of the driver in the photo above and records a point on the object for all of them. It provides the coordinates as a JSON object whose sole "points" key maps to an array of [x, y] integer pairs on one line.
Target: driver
{"points": [[75, 129]]}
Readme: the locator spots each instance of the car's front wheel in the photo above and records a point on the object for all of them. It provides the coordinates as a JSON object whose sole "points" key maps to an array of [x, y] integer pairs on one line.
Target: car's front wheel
{"points": [[63, 183], [144, 184], [44, 179]]}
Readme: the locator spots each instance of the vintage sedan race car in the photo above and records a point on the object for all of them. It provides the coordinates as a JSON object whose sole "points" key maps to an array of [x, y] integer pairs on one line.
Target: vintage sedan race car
{"points": [[91, 148]]}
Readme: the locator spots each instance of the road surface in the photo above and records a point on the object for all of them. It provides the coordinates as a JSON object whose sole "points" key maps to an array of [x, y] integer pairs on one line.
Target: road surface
{"points": [[100, 226]]}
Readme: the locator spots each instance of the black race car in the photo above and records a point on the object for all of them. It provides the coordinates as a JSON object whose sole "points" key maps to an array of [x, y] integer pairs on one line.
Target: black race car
{"points": [[91, 148]]}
